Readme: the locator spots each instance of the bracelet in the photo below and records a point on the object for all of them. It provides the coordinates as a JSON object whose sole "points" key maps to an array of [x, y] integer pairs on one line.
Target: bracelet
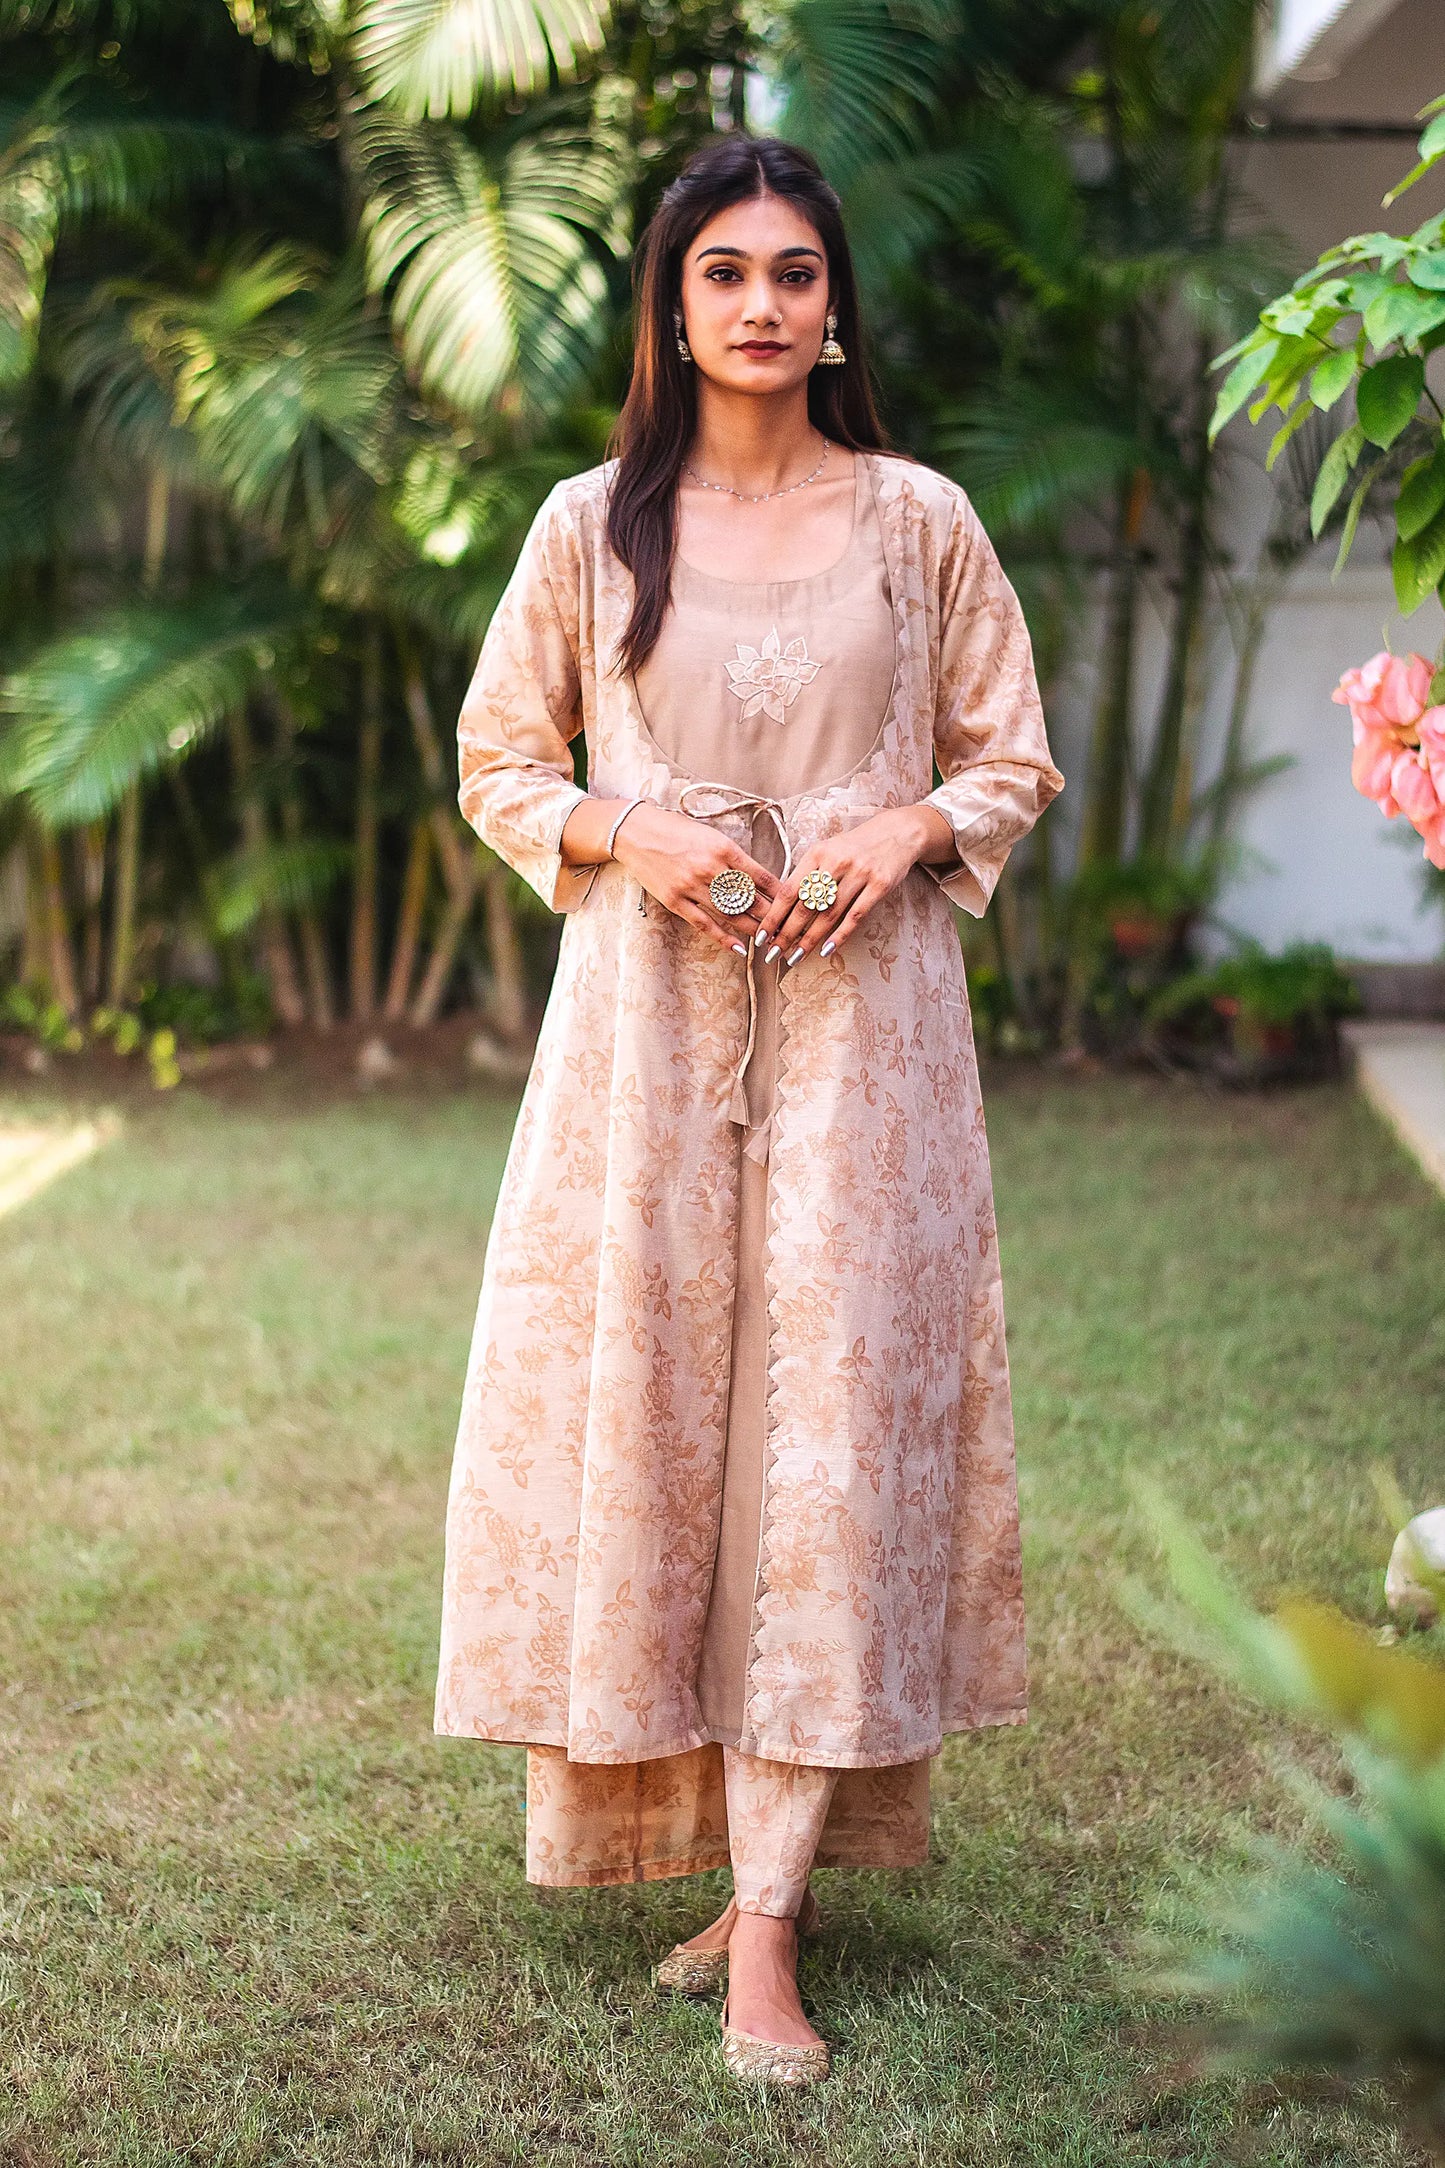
{"points": [[630, 807]]}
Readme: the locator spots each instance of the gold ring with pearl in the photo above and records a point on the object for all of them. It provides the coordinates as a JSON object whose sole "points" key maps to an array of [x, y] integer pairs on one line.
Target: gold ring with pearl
{"points": [[818, 890]]}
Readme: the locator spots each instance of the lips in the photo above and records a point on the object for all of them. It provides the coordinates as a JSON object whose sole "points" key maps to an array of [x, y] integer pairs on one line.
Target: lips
{"points": [[761, 347]]}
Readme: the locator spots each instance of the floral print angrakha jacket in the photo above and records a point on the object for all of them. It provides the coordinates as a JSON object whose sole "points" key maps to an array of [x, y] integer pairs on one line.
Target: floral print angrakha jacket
{"points": [[583, 1511]]}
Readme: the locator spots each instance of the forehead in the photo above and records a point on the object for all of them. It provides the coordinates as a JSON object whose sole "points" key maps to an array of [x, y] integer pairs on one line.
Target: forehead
{"points": [[761, 228]]}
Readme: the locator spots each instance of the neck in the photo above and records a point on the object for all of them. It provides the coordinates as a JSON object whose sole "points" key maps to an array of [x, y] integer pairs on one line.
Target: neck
{"points": [[753, 443]]}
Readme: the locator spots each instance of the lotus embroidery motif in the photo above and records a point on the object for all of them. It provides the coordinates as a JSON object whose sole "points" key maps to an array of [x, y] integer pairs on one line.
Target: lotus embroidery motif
{"points": [[769, 679]]}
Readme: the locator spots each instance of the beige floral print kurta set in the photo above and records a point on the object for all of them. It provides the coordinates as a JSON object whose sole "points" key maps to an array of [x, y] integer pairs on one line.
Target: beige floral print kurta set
{"points": [[734, 1472]]}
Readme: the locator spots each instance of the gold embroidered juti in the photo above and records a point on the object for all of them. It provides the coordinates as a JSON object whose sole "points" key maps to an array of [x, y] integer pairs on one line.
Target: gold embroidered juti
{"points": [[735, 1460]]}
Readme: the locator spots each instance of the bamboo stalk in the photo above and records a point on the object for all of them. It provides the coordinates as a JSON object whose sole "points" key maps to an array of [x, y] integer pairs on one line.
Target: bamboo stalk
{"points": [[450, 839], [364, 862], [59, 956], [315, 963], [408, 924], [509, 989], [123, 909], [276, 954], [442, 960]]}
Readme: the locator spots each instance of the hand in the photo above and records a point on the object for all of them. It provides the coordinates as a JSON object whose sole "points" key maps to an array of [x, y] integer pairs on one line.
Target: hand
{"points": [[675, 858], [868, 863]]}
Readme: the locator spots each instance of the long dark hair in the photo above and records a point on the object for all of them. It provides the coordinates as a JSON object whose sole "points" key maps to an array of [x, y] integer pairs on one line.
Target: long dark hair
{"points": [[659, 415]]}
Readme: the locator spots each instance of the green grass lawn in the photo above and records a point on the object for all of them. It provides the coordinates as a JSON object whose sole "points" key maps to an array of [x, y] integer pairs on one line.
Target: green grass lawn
{"points": [[251, 1911]]}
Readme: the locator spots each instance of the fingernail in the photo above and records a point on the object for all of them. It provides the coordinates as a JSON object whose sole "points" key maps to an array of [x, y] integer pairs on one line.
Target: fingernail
{"points": [[761, 936], [738, 949], [795, 955], [772, 952], [827, 949]]}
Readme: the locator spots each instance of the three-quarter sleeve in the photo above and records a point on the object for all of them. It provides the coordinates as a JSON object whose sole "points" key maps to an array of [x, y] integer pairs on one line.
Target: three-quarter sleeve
{"points": [[522, 710], [989, 738]]}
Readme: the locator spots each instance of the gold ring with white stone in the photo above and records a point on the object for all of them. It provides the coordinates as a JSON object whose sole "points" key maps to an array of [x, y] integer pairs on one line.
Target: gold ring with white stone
{"points": [[818, 890], [732, 890]]}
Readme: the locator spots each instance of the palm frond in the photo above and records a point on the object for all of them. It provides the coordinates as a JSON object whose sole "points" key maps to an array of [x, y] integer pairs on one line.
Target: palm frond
{"points": [[1029, 456], [280, 876], [435, 59], [58, 171], [860, 78], [96, 709], [494, 274]]}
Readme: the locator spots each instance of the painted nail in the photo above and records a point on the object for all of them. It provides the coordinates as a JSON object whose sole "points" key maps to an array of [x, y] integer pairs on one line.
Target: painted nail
{"points": [[772, 952], [795, 955], [826, 949], [761, 936], [738, 949]]}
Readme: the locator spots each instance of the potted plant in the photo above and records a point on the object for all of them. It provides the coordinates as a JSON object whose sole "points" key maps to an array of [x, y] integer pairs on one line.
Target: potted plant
{"points": [[1254, 1018]]}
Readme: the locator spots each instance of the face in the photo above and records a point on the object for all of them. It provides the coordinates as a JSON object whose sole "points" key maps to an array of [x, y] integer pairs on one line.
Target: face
{"points": [[755, 295]]}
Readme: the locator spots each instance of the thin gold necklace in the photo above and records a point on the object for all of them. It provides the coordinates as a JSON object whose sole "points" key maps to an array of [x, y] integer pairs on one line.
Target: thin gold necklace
{"points": [[764, 495]]}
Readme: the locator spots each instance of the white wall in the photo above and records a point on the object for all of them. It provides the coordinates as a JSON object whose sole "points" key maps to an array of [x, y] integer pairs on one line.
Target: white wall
{"points": [[1329, 867]]}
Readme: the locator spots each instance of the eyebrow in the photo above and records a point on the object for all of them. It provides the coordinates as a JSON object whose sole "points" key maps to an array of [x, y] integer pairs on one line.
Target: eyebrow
{"points": [[723, 249]]}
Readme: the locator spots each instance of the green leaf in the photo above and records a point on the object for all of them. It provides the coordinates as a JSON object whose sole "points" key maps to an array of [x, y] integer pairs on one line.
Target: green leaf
{"points": [[95, 710], [1388, 396], [434, 59], [1247, 372], [1432, 149], [1302, 413], [1402, 315], [1419, 565], [1352, 516], [1428, 271], [1332, 377], [1334, 473], [1422, 495]]}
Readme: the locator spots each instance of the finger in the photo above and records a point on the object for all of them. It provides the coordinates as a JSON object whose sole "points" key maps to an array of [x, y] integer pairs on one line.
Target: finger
{"points": [[804, 930], [765, 883], [703, 922], [853, 919]]}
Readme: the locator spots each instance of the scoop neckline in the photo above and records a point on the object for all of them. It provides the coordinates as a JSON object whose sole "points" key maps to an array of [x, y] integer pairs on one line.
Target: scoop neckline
{"points": [[720, 579]]}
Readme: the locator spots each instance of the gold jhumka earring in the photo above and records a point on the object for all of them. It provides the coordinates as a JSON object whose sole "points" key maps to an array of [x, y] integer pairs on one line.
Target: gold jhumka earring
{"points": [[832, 355], [682, 346]]}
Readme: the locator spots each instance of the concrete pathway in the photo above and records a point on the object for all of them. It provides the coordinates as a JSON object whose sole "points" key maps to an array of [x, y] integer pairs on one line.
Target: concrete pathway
{"points": [[1400, 1068], [30, 1158]]}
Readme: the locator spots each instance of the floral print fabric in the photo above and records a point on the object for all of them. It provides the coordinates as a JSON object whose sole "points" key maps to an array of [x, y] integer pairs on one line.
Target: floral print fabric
{"points": [[582, 1512], [590, 1825]]}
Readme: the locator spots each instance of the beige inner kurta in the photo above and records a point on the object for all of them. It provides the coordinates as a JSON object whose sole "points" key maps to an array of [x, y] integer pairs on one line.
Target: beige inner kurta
{"points": [[765, 688]]}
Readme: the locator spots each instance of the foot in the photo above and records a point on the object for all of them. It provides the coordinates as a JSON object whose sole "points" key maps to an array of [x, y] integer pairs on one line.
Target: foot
{"points": [[763, 1981], [716, 1936]]}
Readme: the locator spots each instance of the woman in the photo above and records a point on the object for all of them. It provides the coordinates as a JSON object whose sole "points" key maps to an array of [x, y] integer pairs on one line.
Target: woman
{"points": [[732, 1538]]}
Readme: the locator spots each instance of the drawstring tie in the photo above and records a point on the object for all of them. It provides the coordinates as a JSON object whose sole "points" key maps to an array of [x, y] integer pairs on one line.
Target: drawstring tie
{"points": [[746, 801]]}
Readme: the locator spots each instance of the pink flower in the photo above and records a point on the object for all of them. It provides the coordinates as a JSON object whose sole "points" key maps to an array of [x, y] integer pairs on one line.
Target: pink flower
{"points": [[1389, 692], [1414, 792], [1372, 769], [1434, 835], [1432, 745]]}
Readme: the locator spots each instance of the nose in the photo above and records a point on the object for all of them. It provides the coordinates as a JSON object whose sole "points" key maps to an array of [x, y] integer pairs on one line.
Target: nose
{"points": [[760, 304]]}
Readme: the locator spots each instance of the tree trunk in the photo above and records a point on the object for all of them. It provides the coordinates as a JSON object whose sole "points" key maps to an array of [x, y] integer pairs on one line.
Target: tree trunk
{"points": [[509, 985], [363, 879], [442, 960], [1106, 804], [315, 962], [408, 924], [277, 958], [450, 838], [90, 866], [1160, 809], [123, 909], [59, 956]]}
